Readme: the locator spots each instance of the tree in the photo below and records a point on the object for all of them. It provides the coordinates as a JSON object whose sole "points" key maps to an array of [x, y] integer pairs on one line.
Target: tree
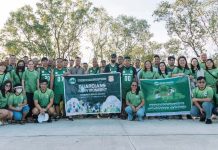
{"points": [[54, 29], [182, 22]]}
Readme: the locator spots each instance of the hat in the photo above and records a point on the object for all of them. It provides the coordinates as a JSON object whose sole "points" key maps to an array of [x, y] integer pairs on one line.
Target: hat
{"points": [[43, 117], [127, 57], [113, 55]]}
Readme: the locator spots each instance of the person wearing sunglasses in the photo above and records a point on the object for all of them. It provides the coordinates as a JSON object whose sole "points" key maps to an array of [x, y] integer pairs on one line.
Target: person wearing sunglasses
{"points": [[135, 103], [202, 101], [5, 93]]}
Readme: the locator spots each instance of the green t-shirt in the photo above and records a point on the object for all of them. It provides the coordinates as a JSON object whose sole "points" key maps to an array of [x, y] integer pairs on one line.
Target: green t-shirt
{"points": [[162, 76], [4, 100], [44, 74], [16, 78], [206, 93], [16, 100], [211, 81], [4, 77], [147, 74], [43, 98], [202, 65], [94, 70], [134, 99], [58, 80], [113, 69], [177, 70], [30, 78]]}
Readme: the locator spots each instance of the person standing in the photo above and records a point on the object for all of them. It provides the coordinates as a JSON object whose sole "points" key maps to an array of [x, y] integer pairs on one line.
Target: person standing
{"points": [[45, 70], [103, 65], [95, 68], [77, 69], [203, 60], [17, 74], [171, 64], [57, 84], [112, 67], [147, 72], [30, 83]]}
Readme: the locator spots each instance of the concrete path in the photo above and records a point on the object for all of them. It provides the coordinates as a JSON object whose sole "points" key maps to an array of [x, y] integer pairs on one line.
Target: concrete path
{"points": [[110, 134]]}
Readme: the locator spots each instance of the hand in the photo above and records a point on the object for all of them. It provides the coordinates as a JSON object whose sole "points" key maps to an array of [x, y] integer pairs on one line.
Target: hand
{"points": [[133, 108], [202, 111], [137, 108], [19, 108], [42, 111], [191, 77]]}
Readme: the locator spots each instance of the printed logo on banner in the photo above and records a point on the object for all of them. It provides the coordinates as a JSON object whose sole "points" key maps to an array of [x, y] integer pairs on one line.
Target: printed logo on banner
{"points": [[111, 78], [72, 81]]}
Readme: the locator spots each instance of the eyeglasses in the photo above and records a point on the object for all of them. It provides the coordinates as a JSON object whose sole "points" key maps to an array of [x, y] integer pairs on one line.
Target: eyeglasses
{"points": [[8, 85], [134, 85]]}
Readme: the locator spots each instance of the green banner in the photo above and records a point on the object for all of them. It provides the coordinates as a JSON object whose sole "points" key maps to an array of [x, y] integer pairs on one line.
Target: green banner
{"points": [[170, 96], [92, 94]]}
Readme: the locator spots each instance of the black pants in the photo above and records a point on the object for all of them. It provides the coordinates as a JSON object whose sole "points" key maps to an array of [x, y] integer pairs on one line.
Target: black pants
{"points": [[30, 102]]}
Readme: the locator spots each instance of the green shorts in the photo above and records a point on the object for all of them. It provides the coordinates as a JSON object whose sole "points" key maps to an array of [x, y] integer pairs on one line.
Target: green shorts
{"points": [[58, 98]]}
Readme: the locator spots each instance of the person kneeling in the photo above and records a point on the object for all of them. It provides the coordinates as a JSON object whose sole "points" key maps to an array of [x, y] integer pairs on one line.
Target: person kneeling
{"points": [[18, 104], [43, 101], [135, 103], [203, 101]]}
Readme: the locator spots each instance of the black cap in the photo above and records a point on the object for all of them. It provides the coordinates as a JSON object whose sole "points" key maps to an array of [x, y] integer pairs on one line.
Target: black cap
{"points": [[127, 57]]}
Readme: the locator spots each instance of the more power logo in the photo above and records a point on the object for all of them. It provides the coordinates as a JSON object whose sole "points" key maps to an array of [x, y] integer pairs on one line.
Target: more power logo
{"points": [[72, 81]]}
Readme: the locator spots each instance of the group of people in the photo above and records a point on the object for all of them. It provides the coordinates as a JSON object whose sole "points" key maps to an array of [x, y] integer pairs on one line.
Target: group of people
{"points": [[29, 87]]}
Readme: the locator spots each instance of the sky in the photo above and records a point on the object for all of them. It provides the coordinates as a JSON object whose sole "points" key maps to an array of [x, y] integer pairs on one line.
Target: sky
{"points": [[141, 9]]}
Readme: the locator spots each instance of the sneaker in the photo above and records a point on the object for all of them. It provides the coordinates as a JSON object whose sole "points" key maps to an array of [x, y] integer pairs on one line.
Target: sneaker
{"points": [[208, 121], [70, 118], [57, 118], [202, 118]]}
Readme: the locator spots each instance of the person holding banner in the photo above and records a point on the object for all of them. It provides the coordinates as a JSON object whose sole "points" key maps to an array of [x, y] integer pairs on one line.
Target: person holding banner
{"points": [[203, 101], [112, 67], [43, 100], [162, 71], [135, 103], [147, 72], [128, 75], [171, 64], [57, 85]]}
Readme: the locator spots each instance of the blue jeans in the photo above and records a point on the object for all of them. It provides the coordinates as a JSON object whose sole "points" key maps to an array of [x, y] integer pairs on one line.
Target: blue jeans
{"points": [[207, 107], [140, 113], [19, 114]]}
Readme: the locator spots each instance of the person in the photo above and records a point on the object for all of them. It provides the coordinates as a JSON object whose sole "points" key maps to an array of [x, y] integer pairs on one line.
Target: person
{"points": [[71, 63], [17, 74], [36, 63], [44, 100], [65, 62], [156, 61], [17, 103], [103, 65], [202, 101], [4, 75], [77, 69], [112, 67], [135, 103], [12, 63], [147, 72], [171, 64], [138, 67], [120, 61], [196, 71], [5, 93], [182, 68], [203, 60], [6, 61], [45, 70], [57, 85], [128, 75], [162, 71], [30, 83], [94, 69], [85, 67], [25, 59], [211, 75]]}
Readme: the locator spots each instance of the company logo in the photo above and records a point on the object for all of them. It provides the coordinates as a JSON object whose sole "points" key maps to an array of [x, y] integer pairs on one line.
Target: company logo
{"points": [[72, 81]]}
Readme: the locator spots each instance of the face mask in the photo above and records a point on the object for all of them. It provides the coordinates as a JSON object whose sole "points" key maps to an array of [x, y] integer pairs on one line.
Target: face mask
{"points": [[19, 90], [20, 67], [113, 61]]}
